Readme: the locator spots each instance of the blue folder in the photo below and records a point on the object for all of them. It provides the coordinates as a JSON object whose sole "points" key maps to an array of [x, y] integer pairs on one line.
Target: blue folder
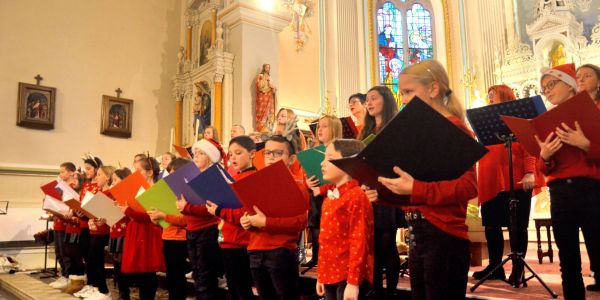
{"points": [[178, 182], [213, 185]]}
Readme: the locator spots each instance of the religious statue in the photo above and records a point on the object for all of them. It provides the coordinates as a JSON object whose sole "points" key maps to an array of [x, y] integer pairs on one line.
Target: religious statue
{"points": [[265, 99], [557, 55], [180, 60], [219, 38]]}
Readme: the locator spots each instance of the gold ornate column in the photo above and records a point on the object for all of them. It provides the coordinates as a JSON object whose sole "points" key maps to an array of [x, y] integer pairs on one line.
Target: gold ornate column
{"points": [[188, 43], [213, 32], [178, 118], [219, 107]]}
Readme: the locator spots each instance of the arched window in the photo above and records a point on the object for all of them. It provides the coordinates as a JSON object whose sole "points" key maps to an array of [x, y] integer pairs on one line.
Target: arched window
{"points": [[404, 36]]}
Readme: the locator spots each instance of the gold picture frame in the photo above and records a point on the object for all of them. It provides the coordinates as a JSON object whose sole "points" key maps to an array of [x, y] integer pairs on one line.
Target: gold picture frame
{"points": [[36, 106], [116, 117]]}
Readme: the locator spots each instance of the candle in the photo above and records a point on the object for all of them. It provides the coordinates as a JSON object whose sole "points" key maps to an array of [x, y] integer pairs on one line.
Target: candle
{"points": [[197, 128], [171, 139]]}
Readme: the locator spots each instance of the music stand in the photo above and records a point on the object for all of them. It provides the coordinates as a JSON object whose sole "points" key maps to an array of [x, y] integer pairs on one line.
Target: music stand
{"points": [[491, 130], [52, 272]]}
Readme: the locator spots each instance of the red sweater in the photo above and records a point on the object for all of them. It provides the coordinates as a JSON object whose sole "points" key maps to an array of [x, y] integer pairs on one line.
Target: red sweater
{"points": [[59, 224], [100, 229], [142, 248], [493, 177], [197, 217], [571, 162], [346, 238], [234, 236], [280, 232], [444, 203]]}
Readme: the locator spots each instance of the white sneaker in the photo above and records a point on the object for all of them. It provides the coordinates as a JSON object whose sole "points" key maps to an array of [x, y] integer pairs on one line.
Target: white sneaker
{"points": [[59, 283], [85, 291], [98, 296]]}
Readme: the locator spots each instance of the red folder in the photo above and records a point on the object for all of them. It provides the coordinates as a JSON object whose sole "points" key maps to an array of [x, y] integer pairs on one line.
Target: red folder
{"points": [[182, 151], [50, 190], [126, 190], [349, 130], [580, 108], [273, 190]]}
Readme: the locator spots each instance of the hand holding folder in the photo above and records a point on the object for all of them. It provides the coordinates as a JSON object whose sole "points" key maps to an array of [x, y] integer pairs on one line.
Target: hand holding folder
{"points": [[580, 108], [178, 182], [128, 189], [421, 142], [311, 159], [214, 184], [161, 197], [273, 190], [101, 206]]}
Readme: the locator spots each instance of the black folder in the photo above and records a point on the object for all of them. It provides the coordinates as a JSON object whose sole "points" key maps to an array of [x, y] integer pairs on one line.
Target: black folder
{"points": [[487, 124], [421, 142]]}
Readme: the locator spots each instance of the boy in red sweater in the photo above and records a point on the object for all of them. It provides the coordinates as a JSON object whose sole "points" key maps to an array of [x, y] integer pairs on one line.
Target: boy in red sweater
{"points": [[346, 236], [273, 241], [235, 238]]}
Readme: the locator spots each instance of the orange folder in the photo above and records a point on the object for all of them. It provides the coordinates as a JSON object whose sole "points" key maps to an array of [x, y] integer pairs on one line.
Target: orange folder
{"points": [[273, 190], [259, 159], [126, 191], [580, 108], [182, 151]]}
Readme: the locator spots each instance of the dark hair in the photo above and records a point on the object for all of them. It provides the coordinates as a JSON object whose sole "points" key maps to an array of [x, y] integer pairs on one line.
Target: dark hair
{"points": [[389, 110], [94, 162], [282, 140], [362, 97], [597, 71], [139, 156], [244, 141], [177, 163], [69, 166], [348, 147], [123, 172], [151, 164]]}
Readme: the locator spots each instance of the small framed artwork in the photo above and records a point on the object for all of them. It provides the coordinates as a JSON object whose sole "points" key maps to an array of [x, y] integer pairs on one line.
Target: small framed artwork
{"points": [[35, 107], [116, 116]]}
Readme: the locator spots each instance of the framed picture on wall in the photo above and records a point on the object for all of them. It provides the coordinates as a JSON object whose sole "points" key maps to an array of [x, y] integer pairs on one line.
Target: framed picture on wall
{"points": [[116, 117], [35, 106]]}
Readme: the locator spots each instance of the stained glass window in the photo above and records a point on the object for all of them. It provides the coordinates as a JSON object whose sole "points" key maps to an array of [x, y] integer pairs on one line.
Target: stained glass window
{"points": [[404, 36]]}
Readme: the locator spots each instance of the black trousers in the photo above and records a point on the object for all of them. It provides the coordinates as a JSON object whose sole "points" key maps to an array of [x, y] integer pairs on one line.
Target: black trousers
{"points": [[122, 281], [438, 263], [237, 272], [207, 264], [575, 203], [147, 283], [59, 251], [175, 253], [73, 251], [96, 275], [386, 257], [336, 291], [275, 273]]}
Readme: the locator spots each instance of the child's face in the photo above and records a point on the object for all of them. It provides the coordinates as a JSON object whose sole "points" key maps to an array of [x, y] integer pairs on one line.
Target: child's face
{"points": [[115, 179], [89, 170], [409, 88], [374, 103], [240, 157], [275, 151], [208, 133], [165, 161], [282, 117], [147, 174], [323, 131], [330, 172], [201, 160], [556, 90], [101, 178], [64, 174]]}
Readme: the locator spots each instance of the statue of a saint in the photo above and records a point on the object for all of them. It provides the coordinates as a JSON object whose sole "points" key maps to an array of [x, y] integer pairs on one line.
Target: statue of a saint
{"points": [[265, 99]]}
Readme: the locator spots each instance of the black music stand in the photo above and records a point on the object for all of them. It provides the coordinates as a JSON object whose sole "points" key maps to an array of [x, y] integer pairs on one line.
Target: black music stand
{"points": [[491, 130], [51, 272]]}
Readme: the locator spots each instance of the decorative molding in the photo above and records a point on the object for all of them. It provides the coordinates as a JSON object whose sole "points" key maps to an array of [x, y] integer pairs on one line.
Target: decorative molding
{"points": [[24, 171], [245, 13]]}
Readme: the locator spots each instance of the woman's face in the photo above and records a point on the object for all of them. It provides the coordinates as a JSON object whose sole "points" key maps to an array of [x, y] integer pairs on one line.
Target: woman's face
{"points": [[89, 170], [556, 90], [356, 108], [374, 103], [208, 133], [587, 81], [323, 131], [494, 97], [282, 117], [101, 178]]}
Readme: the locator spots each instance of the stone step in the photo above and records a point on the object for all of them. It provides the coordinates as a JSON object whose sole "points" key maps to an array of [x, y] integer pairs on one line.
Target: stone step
{"points": [[23, 286]]}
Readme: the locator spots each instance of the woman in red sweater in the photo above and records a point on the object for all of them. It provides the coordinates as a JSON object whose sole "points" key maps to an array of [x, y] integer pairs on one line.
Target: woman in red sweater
{"points": [[439, 245], [235, 238], [493, 186], [142, 251], [571, 164]]}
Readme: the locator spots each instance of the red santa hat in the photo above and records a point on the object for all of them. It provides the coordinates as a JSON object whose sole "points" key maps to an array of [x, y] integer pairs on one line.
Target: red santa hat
{"points": [[566, 73], [211, 148]]}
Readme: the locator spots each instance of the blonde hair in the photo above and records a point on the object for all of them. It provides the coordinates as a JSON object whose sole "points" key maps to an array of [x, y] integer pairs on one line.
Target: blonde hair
{"points": [[335, 126], [428, 71], [109, 171]]}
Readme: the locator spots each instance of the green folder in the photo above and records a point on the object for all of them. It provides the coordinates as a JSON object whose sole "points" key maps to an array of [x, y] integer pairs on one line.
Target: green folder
{"points": [[368, 139], [310, 160], [161, 197]]}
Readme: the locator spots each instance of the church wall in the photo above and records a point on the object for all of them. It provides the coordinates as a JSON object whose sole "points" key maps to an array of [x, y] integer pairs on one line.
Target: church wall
{"points": [[85, 49]]}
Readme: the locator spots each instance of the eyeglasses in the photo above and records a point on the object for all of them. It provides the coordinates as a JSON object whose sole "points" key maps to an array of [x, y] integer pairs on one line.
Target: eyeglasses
{"points": [[549, 86], [274, 153]]}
